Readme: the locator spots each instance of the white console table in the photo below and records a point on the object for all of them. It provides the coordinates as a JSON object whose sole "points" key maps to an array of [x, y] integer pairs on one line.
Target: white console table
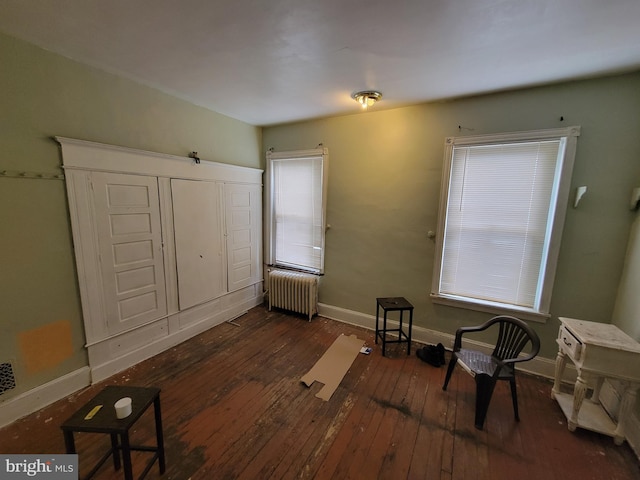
{"points": [[598, 351]]}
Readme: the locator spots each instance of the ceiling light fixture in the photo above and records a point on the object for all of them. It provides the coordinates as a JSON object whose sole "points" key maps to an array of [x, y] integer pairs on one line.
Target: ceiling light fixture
{"points": [[367, 98]]}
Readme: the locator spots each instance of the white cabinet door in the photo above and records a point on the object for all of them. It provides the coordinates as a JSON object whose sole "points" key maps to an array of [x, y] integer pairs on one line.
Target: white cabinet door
{"points": [[243, 216], [198, 238], [130, 248]]}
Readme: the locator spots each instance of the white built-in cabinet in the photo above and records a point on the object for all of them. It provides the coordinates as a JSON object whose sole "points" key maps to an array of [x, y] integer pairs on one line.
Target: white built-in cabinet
{"points": [[165, 248], [199, 241]]}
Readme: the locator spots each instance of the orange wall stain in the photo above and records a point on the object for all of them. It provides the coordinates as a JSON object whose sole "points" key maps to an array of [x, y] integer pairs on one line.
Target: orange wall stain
{"points": [[46, 347]]}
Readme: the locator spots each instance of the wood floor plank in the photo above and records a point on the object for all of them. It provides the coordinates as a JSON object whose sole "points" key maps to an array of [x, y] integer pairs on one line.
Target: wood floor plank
{"points": [[409, 401], [360, 459], [393, 411], [438, 426], [345, 441], [260, 453], [234, 408]]}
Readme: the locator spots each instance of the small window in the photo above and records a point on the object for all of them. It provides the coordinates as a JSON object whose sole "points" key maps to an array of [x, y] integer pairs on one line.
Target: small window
{"points": [[502, 209], [296, 186]]}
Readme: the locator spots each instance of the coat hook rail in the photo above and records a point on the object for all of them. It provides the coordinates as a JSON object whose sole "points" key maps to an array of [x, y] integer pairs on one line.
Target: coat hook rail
{"points": [[32, 175]]}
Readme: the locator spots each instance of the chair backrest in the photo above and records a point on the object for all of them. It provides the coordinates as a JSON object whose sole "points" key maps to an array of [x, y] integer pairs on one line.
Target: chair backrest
{"points": [[513, 336]]}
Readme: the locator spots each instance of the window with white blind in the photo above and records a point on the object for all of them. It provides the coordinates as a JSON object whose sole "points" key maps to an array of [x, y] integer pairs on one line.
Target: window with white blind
{"points": [[295, 208], [503, 203]]}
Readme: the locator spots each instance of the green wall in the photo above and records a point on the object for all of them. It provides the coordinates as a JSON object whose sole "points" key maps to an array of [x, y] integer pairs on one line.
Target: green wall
{"points": [[384, 186], [626, 315], [43, 95]]}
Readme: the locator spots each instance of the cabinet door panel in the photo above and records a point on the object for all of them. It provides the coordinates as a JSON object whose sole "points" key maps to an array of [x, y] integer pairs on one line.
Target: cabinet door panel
{"points": [[130, 246], [243, 210], [198, 238]]}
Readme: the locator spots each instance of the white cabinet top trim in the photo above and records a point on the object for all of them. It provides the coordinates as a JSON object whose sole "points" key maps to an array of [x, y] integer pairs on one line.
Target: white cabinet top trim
{"points": [[86, 155]]}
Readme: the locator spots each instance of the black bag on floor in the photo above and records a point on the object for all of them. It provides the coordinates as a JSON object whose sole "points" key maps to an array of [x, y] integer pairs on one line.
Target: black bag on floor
{"points": [[432, 354]]}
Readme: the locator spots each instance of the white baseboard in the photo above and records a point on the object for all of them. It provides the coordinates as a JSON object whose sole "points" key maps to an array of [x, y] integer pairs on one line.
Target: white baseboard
{"points": [[43, 395], [543, 367]]}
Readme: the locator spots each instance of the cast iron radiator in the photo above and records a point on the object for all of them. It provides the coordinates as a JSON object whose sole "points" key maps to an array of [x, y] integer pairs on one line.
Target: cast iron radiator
{"points": [[293, 291]]}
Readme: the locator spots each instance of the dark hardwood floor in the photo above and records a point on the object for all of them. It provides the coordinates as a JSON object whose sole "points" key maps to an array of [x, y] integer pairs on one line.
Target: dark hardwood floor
{"points": [[234, 408]]}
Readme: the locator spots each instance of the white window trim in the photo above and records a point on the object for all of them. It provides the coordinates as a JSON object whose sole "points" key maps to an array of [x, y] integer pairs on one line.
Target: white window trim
{"points": [[564, 186], [269, 245]]}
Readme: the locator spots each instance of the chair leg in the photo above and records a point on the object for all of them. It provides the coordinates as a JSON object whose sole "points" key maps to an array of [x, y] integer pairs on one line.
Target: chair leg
{"points": [[452, 365], [484, 390], [514, 397]]}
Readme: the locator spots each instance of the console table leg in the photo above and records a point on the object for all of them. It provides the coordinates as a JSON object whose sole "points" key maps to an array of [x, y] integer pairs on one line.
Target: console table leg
{"points": [[561, 362], [579, 392]]}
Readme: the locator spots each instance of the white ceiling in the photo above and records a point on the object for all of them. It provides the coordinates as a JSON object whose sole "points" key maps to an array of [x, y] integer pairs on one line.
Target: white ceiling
{"points": [[274, 61]]}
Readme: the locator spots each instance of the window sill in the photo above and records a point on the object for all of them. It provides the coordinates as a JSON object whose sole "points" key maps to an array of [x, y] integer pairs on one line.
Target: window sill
{"points": [[522, 313], [294, 269]]}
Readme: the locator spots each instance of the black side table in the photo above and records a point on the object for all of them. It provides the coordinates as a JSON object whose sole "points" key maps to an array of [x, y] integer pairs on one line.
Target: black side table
{"points": [[392, 304], [105, 421]]}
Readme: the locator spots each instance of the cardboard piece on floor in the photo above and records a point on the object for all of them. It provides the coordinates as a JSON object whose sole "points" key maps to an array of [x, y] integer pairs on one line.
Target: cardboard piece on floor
{"points": [[333, 365]]}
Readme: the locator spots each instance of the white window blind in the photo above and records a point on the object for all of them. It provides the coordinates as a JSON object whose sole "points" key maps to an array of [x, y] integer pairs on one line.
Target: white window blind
{"points": [[297, 186], [500, 212]]}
